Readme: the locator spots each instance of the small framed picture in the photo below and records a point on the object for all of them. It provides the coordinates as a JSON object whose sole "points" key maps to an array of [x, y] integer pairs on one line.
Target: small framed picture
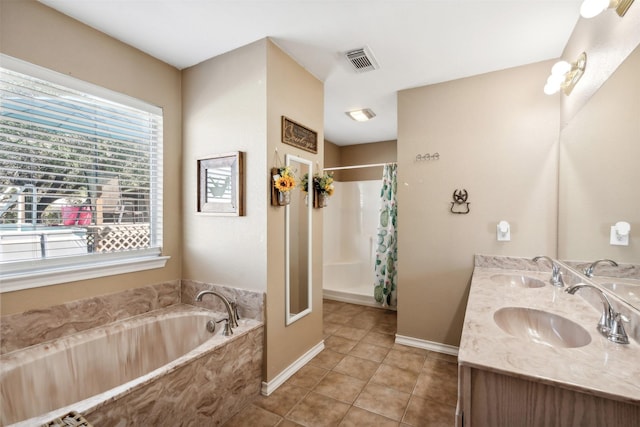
{"points": [[221, 184]]}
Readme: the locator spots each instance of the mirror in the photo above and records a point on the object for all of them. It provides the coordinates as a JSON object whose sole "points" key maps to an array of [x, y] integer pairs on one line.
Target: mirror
{"points": [[599, 173], [298, 232]]}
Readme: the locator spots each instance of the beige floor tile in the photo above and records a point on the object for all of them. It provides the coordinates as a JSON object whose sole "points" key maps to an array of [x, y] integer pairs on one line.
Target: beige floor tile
{"points": [[288, 423], [329, 306], [448, 357], [253, 416], [383, 401], [352, 310], [441, 365], [350, 333], [356, 367], [307, 377], [337, 317], [377, 338], [369, 351], [327, 359], [340, 386], [357, 417], [316, 410], [396, 378], [282, 400], [438, 385], [414, 350], [330, 328], [405, 360], [386, 328], [339, 344], [428, 413], [363, 321]]}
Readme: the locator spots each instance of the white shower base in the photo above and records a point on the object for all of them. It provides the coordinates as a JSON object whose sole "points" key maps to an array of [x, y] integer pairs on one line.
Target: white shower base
{"points": [[349, 282]]}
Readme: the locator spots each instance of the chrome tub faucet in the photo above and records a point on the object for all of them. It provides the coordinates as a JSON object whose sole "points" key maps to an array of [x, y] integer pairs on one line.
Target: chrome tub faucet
{"points": [[589, 270], [611, 322], [556, 275], [232, 319]]}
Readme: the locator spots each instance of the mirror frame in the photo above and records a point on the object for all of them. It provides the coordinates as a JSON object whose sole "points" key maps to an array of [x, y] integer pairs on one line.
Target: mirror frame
{"points": [[289, 318]]}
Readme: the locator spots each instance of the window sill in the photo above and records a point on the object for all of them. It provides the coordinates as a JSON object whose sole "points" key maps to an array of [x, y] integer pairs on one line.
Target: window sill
{"points": [[54, 275]]}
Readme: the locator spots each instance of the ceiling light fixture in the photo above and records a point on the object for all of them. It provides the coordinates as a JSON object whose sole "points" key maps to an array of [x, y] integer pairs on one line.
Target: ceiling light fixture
{"points": [[565, 75], [361, 115], [591, 8]]}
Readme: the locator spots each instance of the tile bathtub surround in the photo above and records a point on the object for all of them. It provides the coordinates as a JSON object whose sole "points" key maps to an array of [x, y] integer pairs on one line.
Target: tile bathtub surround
{"points": [[35, 326], [205, 392], [361, 379], [250, 303]]}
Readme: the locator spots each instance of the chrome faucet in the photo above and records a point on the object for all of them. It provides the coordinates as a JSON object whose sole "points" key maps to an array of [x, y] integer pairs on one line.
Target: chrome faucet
{"points": [[610, 324], [231, 320], [589, 270], [556, 276]]}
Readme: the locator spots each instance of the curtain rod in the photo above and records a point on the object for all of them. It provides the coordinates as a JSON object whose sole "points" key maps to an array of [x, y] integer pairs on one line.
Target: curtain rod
{"points": [[359, 166]]}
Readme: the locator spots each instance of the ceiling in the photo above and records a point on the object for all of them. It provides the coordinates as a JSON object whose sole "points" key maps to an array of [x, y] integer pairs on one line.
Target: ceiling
{"points": [[415, 42]]}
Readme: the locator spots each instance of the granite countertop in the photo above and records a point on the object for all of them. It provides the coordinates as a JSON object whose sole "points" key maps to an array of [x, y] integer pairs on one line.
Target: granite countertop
{"points": [[601, 368]]}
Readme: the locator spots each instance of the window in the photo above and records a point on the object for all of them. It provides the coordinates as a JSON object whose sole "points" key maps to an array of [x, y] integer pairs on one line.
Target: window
{"points": [[80, 179]]}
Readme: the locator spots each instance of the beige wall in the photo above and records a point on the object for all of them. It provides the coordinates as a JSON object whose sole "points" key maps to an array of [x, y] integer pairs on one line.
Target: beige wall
{"points": [[497, 137], [360, 154], [234, 102], [599, 173], [296, 94], [35, 33], [225, 107]]}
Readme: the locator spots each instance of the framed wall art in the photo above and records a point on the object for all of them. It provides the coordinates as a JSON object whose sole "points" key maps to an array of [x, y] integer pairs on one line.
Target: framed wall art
{"points": [[221, 184], [299, 136]]}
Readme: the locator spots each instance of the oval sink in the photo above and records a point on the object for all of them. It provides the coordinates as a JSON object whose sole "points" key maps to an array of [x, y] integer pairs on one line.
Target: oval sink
{"points": [[517, 280], [541, 327]]}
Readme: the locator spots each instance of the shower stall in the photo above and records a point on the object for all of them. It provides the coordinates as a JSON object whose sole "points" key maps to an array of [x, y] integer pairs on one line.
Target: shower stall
{"points": [[349, 242]]}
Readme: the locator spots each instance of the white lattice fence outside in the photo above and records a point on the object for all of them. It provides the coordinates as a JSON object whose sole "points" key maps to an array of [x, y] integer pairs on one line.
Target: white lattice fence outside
{"points": [[112, 238]]}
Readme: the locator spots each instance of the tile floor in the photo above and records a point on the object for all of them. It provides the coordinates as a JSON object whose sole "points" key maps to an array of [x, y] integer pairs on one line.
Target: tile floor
{"points": [[361, 378]]}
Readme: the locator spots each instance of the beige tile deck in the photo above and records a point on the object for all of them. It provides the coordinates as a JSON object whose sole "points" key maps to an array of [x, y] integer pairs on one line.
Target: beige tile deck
{"points": [[362, 378]]}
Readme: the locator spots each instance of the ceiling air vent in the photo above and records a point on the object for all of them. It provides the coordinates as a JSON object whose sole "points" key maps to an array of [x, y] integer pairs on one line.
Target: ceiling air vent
{"points": [[362, 60]]}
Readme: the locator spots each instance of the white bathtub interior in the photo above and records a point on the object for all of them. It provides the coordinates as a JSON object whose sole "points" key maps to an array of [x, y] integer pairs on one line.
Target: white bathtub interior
{"points": [[349, 241]]}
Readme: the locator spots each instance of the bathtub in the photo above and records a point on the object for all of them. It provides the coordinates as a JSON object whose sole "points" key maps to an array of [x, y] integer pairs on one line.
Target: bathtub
{"points": [[159, 368], [349, 282]]}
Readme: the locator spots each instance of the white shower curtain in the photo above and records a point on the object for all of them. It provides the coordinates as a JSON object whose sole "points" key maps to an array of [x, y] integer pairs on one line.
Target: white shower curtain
{"points": [[387, 247]]}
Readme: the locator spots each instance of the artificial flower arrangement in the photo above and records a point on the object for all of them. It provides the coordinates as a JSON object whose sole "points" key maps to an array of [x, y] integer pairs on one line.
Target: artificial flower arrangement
{"points": [[322, 186], [283, 182]]}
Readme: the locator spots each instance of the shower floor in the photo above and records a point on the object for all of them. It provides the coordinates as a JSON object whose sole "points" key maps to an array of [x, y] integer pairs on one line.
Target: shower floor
{"points": [[360, 294]]}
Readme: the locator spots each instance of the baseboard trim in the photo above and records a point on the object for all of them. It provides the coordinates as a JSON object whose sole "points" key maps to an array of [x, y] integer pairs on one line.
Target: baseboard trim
{"points": [[271, 386], [427, 345]]}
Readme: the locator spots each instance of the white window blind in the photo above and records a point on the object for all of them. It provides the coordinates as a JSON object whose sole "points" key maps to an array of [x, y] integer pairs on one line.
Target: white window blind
{"points": [[80, 172]]}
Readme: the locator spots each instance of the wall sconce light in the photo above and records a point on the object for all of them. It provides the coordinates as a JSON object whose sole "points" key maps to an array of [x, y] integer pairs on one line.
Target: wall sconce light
{"points": [[361, 115], [565, 75], [620, 233], [591, 8]]}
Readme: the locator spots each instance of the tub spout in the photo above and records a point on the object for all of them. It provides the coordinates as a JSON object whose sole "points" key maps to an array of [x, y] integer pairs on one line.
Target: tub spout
{"points": [[230, 311]]}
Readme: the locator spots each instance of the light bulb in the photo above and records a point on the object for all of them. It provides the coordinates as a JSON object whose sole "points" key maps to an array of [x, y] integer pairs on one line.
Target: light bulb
{"points": [[550, 89], [591, 8], [555, 80], [560, 68]]}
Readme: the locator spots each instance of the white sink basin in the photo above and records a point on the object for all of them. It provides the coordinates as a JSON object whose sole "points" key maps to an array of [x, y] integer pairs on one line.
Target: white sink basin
{"points": [[517, 280], [541, 327]]}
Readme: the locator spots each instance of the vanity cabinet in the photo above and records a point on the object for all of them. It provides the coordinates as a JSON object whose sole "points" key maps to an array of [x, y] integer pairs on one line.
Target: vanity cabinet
{"points": [[494, 399]]}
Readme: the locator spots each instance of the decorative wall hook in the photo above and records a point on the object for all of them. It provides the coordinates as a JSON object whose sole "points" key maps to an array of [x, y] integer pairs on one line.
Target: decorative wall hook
{"points": [[459, 199]]}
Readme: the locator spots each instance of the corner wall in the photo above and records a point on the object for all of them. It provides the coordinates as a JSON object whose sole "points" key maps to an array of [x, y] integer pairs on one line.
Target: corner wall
{"points": [[497, 136], [37, 34], [295, 93]]}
